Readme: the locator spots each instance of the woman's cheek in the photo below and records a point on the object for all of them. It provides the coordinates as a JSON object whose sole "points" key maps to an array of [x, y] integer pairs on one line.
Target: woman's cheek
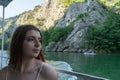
{"points": [[27, 47], [28, 44]]}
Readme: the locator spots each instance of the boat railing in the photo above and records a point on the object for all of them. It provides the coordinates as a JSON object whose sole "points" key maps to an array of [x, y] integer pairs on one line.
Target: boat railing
{"points": [[81, 75]]}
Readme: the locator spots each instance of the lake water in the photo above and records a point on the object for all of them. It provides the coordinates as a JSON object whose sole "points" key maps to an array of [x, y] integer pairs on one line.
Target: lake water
{"points": [[101, 65]]}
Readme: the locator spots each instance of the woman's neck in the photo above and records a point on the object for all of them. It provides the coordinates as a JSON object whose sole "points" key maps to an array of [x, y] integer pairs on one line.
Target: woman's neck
{"points": [[28, 64]]}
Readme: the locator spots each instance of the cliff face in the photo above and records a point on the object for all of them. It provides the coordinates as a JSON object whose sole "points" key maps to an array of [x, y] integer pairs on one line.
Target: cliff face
{"points": [[83, 15], [43, 16]]}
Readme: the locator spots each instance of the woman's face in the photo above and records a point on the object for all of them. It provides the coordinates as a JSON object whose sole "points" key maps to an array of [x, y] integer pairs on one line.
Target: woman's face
{"points": [[32, 44]]}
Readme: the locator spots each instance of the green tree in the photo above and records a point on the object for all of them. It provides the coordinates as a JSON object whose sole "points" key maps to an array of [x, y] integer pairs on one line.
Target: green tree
{"points": [[106, 37]]}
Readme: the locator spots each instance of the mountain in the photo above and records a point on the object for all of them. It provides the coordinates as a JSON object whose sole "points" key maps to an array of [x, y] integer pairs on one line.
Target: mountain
{"points": [[64, 23], [81, 16], [43, 16], [78, 19]]}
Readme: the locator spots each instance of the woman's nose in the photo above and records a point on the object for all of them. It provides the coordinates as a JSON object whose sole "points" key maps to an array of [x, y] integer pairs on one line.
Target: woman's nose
{"points": [[37, 44]]}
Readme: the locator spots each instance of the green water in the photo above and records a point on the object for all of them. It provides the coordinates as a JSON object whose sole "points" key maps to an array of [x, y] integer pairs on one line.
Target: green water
{"points": [[102, 65]]}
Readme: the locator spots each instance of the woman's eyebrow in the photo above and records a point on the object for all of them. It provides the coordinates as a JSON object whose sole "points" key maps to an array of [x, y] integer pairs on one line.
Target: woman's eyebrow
{"points": [[30, 36], [33, 37], [39, 37]]}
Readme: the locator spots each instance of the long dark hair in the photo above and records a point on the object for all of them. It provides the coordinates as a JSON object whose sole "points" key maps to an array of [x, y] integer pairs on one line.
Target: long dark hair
{"points": [[17, 44]]}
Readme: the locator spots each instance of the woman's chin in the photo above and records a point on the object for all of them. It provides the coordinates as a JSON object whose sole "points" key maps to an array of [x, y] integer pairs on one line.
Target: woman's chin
{"points": [[32, 55], [35, 54]]}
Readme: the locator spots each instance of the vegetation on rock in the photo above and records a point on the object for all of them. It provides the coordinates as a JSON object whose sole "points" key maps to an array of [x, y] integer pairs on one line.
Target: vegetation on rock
{"points": [[106, 37]]}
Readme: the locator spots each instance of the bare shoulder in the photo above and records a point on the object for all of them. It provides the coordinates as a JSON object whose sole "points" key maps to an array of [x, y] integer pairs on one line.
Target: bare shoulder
{"points": [[3, 73], [49, 72], [48, 68]]}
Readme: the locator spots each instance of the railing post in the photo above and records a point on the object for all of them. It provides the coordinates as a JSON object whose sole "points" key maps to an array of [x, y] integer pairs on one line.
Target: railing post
{"points": [[2, 35]]}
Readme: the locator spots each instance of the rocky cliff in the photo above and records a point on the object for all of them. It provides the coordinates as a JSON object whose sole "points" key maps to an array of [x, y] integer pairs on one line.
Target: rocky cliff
{"points": [[83, 15], [43, 16]]}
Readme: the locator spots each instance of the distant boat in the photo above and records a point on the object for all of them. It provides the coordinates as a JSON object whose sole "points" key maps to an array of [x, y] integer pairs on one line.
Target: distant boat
{"points": [[89, 53]]}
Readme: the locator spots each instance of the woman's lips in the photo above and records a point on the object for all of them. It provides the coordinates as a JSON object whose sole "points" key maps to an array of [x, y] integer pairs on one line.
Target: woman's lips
{"points": [[36, 50]]}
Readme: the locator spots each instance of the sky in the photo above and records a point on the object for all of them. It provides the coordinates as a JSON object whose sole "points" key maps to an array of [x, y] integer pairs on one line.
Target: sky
{"points": [[17, 7]]}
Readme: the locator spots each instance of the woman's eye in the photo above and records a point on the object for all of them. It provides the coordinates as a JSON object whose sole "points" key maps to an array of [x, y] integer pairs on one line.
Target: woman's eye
{"points": [[40, 41], [30, 39]]}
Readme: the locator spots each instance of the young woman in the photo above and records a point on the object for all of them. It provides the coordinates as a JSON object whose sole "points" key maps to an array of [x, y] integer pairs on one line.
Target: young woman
{"points": [[26, 58]]}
